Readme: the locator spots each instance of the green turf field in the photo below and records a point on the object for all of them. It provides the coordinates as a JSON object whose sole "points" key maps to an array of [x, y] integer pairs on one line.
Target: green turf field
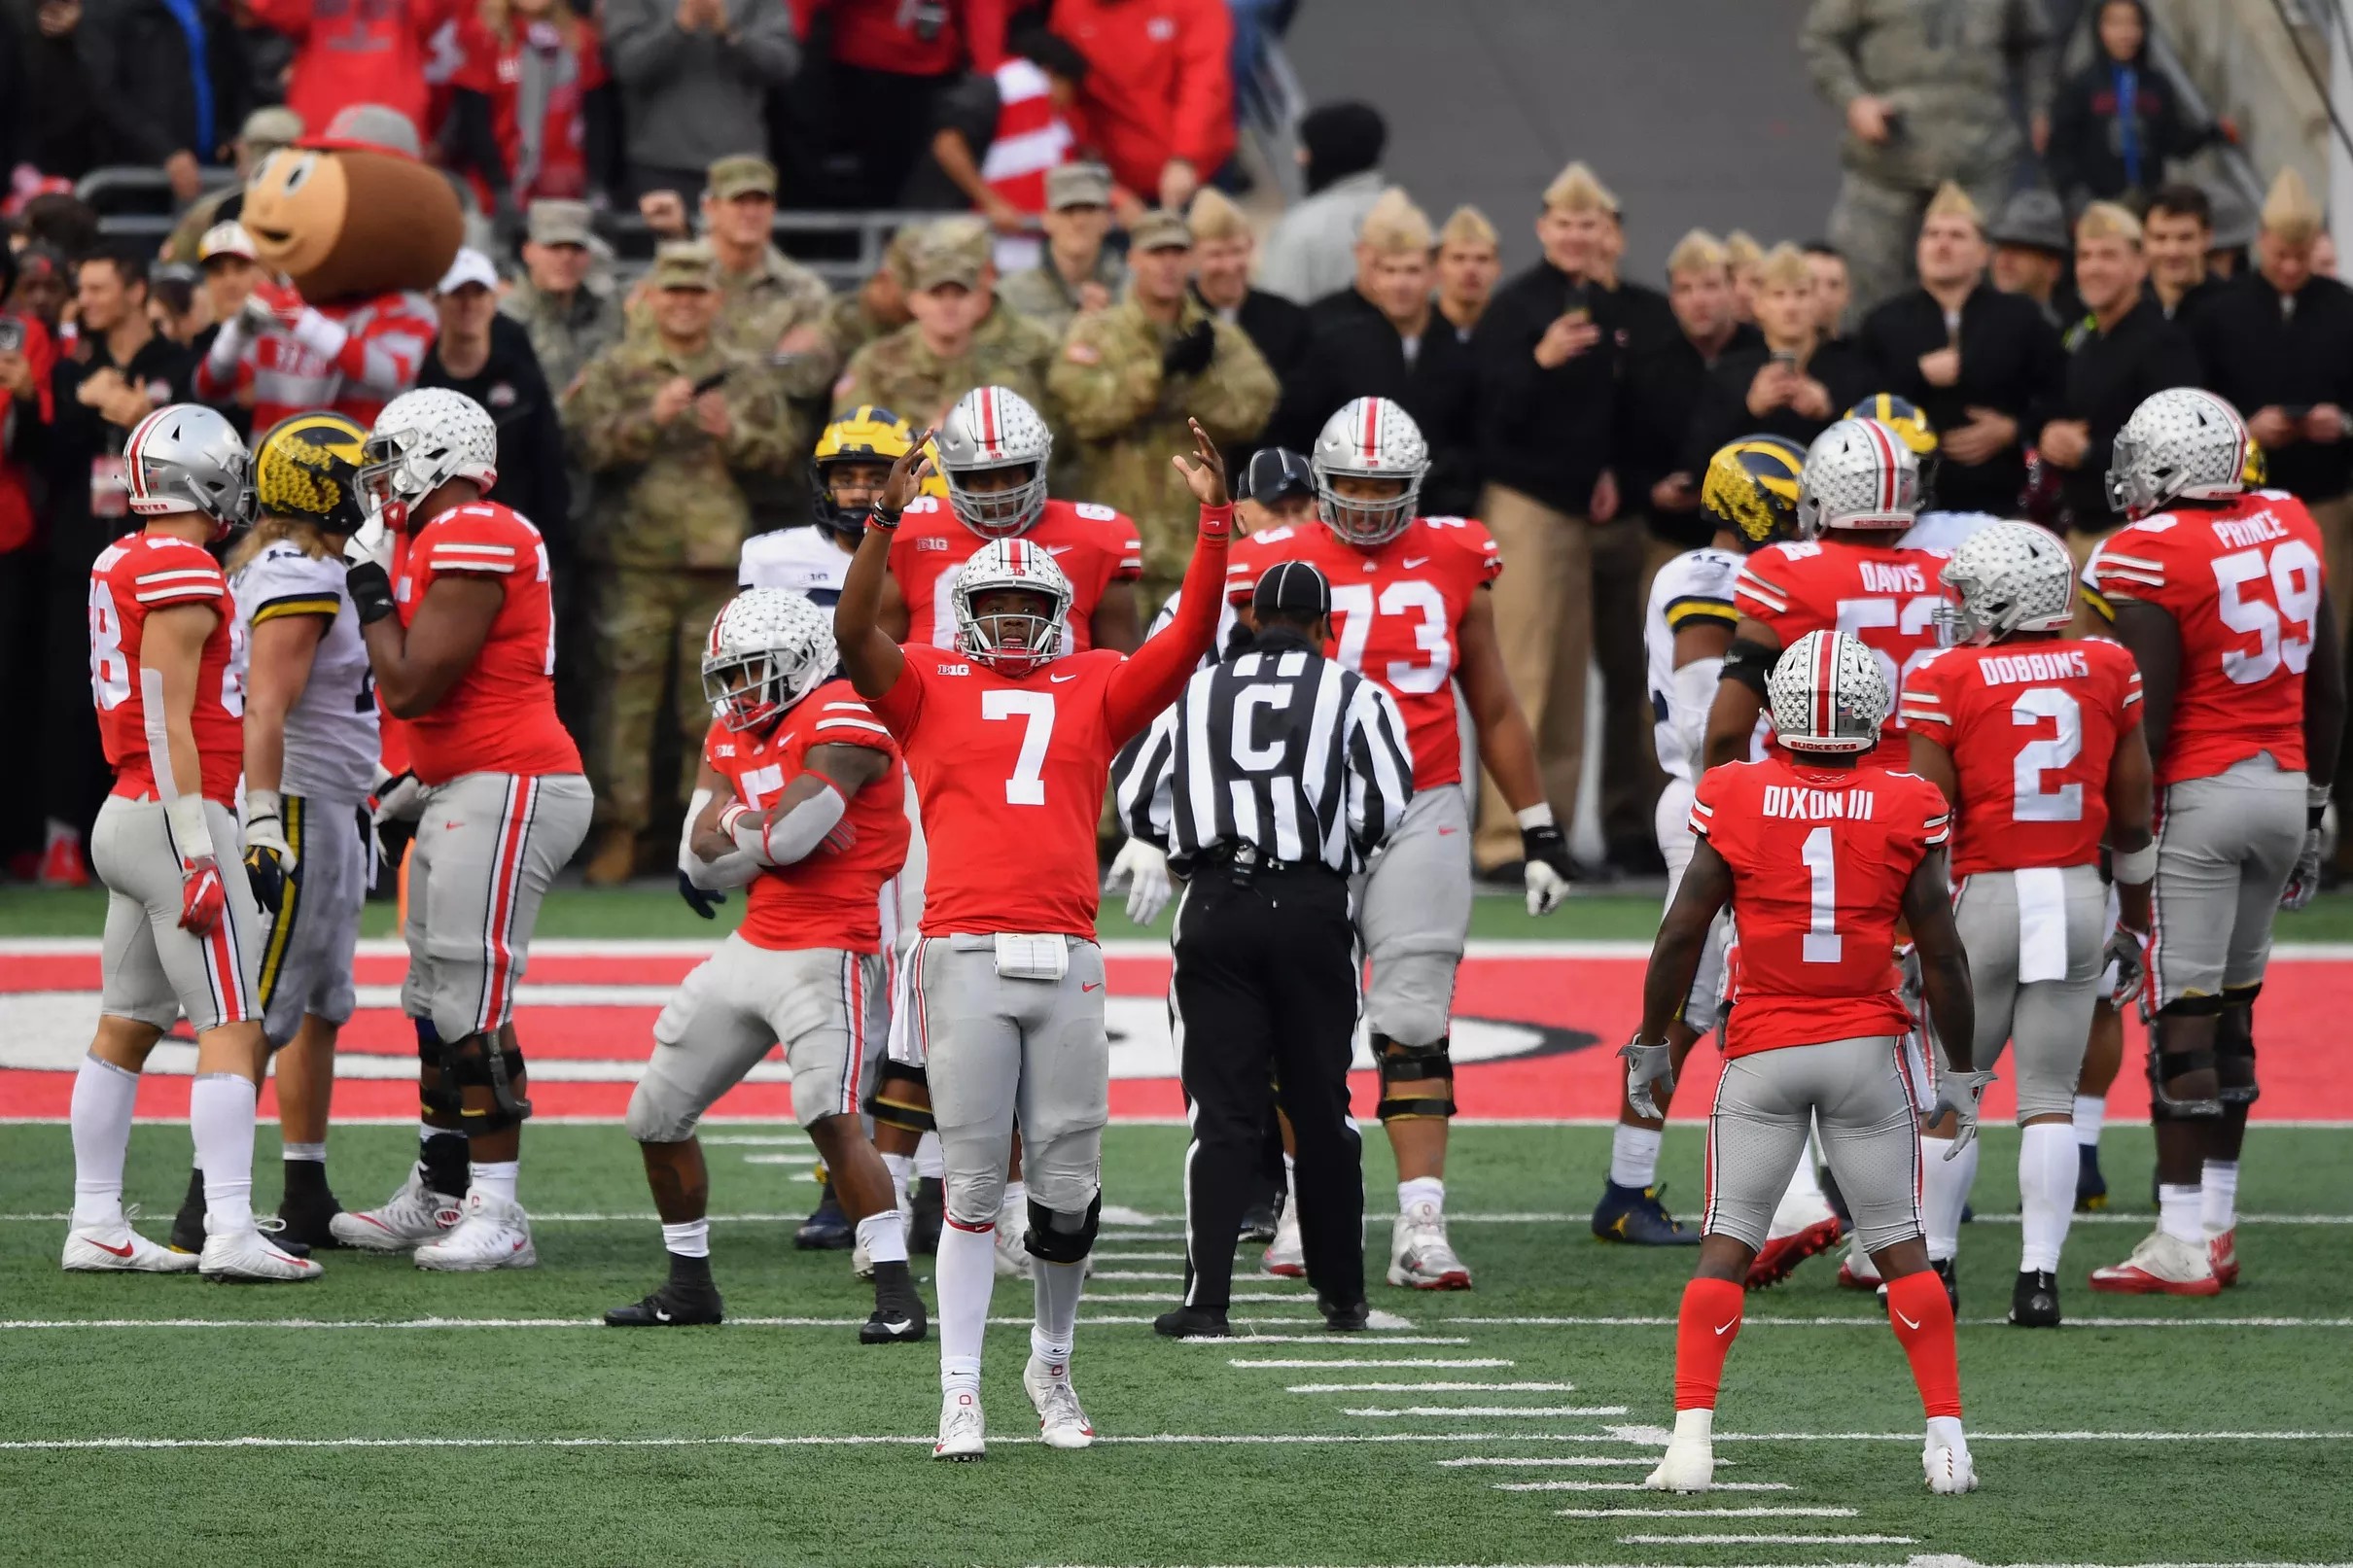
{"points": [[569, 1444]]}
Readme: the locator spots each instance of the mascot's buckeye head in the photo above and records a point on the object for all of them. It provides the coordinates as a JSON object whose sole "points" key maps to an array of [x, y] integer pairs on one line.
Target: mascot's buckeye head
{"points": [[356, 212]]}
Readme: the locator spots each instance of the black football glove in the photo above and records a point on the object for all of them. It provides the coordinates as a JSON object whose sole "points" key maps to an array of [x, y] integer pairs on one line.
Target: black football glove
{"points": [[1190, 354], [704, 901]]}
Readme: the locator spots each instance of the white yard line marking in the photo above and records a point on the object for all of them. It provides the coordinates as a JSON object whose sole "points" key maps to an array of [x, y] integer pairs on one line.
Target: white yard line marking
{"points": [[1714, 1540], [1352, 1363], [1631, 1486], [1132, 1274], [1326, 1338], [1167, 1298], [1846, 1322], [1107, 1255], [1580, 1461], [1704, 1513], [1431, 1388], [1457, 1410]]}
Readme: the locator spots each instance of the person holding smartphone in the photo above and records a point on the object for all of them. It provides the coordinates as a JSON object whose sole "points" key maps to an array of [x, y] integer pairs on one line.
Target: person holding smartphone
{"points": [[1792, 384]]}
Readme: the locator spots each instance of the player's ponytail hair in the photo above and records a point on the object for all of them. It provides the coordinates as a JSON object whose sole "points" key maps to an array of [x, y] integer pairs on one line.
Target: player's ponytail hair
{"points": [[304, 534]]}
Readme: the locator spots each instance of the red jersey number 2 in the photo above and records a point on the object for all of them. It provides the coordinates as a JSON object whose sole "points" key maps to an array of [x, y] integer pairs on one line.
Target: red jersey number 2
{"points": [[1026, 786]]}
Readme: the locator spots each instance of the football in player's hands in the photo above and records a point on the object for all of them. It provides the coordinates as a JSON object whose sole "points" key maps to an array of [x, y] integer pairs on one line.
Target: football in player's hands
{"points": [[203, 896]]}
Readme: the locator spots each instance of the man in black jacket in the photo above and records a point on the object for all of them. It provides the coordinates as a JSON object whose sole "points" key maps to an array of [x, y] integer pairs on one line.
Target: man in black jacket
{"points": [[1660, 388], [1546, 364], [1649, 318], [171, 97], [1978, 362], [487, 356], [1222, 250], [2175, 236], [2124, 351]]}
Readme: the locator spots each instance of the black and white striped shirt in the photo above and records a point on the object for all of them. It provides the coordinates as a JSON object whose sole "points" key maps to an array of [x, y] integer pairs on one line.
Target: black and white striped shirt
{"points": [[1278, 748]]}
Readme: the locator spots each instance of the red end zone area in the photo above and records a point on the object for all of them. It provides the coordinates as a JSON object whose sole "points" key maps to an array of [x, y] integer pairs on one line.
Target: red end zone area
{"points": [[1537, 1026]]}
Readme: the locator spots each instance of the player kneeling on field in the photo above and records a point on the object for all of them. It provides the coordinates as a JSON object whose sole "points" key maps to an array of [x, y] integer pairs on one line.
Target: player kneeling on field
{"points": [[802, 796], [1816, 859]]}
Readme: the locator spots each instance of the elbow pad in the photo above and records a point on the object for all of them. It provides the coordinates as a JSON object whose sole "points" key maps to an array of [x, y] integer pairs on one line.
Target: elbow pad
{"points": [[1750, 663], [1687, 706], [792, 836]]}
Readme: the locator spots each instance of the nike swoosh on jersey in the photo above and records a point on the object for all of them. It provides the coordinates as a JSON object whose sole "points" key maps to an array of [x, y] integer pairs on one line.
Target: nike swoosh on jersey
{"points": [[1058, 680], [1412, 561]]}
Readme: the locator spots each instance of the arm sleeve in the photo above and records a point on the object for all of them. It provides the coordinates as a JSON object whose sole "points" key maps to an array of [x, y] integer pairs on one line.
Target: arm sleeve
{"points": [[1148, 680], [1144, 779], [1380, 768]]}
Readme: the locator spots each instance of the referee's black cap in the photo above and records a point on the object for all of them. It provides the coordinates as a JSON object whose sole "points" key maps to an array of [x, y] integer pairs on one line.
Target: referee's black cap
{"points": [[1275, 472], [1292, 589]]}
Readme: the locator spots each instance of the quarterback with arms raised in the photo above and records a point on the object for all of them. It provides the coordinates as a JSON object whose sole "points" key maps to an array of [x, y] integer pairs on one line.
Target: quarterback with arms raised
{"points": [[1410, 610], [2217, 592], [463, 647], [182, 936], [1009, 739], [1818, 859]]}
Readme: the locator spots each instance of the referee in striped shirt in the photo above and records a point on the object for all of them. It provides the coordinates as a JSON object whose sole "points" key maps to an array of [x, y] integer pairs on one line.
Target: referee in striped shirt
{"points": [[1270, 782]]}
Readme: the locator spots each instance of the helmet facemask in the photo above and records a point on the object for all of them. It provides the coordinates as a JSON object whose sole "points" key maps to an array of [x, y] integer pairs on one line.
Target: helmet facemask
{"points": [[1366, 522], [1011, 640], [999, 513]]}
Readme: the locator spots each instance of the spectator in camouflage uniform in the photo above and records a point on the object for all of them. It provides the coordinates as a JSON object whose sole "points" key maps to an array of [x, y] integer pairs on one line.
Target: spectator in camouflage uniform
{"points": [[563, 302], [1925, 87], [880, 304], [963, 335], [769, 304], [1128, 378], [671, 421], [1079, 271]]}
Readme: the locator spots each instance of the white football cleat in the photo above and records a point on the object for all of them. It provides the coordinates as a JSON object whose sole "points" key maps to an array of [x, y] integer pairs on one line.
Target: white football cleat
{"points": [[247, 1256], [1286, 1256], [410, 1217], [962, 1432], [1419, 1256], [1012, 1256], [118, 1249], [2162, 1266], [1060, 1423], [1688, 1465], [494, 1234], [1949, 1469]]}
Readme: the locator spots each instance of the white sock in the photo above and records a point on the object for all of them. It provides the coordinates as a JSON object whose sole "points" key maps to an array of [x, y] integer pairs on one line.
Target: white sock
{"points": [[966, 1275], [903, 1185], [1013, 1214], [496, 1176], [1698, 1421], [310, 1153], [691, 1239], [1430, 1190], [104, 1096], [1056, 1323], [1634, 1155], [220, 1122], [929, 1163], [2047, 1164], [1944, 1193], [2218, 1188], [2178, 1213], [1945, 1432], [2091, 1110], [884, 1237]]}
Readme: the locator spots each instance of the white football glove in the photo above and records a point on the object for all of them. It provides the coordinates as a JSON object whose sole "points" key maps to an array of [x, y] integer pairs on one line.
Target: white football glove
{"points": [[2127, 969], [371, 544], [1646, 1065], [1957, 1095], [270, 861], [1146, 871], [2304, 881]]}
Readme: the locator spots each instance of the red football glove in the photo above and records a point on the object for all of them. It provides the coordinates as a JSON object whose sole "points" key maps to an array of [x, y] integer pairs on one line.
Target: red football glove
{"points": [[204, 898], [281, 303]]}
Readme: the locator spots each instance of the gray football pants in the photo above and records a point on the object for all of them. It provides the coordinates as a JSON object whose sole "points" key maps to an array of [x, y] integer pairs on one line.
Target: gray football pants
{"points": [[1855, 1091], [1413, 914], [2050, 1019], [998, 1049]]}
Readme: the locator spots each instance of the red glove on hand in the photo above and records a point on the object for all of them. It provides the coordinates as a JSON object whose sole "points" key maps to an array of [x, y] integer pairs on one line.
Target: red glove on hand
{"points": [[204, 898], [281, 303]]}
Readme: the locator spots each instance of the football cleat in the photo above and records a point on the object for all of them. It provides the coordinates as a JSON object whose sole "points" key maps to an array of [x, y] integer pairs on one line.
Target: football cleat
{"points": [[118, 1249], [1688, 1465], [674, 1305], [247, 1256], [898, 1312], [1287, 1255], [827, 1229], [188, 1225], [2221, 1254], [1802, 1228], [1259, 1223], [2090, 1187], [1949, 1467], [308, 1218], [1193, 1323], [494, 1234], [2160, 1265], [931, 1212], [414, 1215], [1060, 1423], [1856, 1270], [2034, 1299], [1637, 1215], [1418, 1255], [962, 1434]]}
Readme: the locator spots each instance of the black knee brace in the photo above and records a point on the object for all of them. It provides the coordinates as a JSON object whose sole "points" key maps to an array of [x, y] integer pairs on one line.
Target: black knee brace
{"points": [[486, 1061], [2235, 1047], [439, 1097], [1426, 1068], [1059, 1237], [2166, 1065], [901, 1098]]}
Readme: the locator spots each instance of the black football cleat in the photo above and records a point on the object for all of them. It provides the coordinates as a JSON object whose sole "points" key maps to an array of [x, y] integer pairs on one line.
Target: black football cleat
{"points": [[827, 1229], [1259, 1222], [305, 1215], [187, 1226], [2034, 1299], [1345, 1317], [898, 1312], [1637, 1215], [2090, 1187], [931, 1212], [1193, 1323], [677, 1304]]}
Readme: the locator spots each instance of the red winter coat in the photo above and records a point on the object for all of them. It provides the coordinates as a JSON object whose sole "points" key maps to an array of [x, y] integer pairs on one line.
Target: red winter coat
{"points": [[367, 52], [874, 35], [1159, 85]]}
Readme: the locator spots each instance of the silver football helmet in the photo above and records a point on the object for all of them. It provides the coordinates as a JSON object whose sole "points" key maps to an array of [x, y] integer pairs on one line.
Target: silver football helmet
{"points": [[2008, 577], [187, 457], [1010, 644], [1829, 693], [1858, 474], [768, 648], [2180, 444], [425, 439], [990, 429], [1369, 438]]}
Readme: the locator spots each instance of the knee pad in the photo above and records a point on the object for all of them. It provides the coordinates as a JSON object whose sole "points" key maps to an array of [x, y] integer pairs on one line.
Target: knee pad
{"points": [[439, 1097], [2165, 1066], [1415, 1080], [901, 1098], [2234, 1049], [1056, 1235], [486, 1061]]}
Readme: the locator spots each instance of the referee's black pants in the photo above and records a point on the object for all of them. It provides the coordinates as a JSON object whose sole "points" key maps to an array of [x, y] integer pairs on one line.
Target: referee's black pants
{"points": [[1264, 1008]]}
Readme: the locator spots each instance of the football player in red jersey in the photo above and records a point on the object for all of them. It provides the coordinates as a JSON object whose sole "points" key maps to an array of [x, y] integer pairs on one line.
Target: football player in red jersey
{"points": [[1009, 739], [463, 648], [991, 451], [2217, 592], [813, 817], [2035, 738], [1818, 858], [181, 934], [1410, 610]]}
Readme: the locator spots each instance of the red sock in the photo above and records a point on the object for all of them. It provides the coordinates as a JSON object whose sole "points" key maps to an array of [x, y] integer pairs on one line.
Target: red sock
{"points": [[1922, 1315], [1710, 1322]]}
